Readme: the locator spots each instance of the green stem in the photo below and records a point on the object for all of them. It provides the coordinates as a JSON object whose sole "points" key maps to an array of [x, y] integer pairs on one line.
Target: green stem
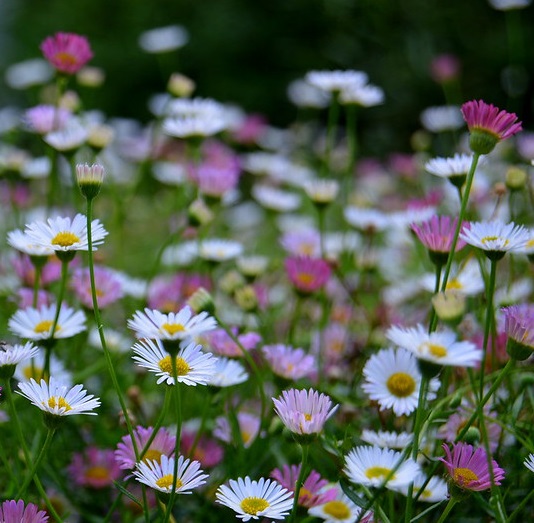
{"points": [[448, 508], [36, 463], [300, 480]]}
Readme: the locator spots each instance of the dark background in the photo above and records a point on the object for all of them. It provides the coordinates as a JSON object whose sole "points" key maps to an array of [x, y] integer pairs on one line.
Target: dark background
{"points": [[247, 51]]}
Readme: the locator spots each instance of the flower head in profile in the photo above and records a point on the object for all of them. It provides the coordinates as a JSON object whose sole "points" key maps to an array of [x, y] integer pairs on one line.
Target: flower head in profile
{"points": [[12, 355], [95, 468], [454, 168], [373, 466], [304, 412], [67, 52], [519, 327], [57, 399], [314, 490], [307, 274], [159, 475], [12, 511], [228, 372], [488, 125], [529, 462], [252, 499], [468, 467], [193, 367], [288, 362], [162, 444]]}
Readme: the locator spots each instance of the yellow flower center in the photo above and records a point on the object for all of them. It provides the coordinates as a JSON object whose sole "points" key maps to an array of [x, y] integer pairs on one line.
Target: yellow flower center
{"points": [[464, 476], [34, 372], [378, 473], [245, 436], [97, 473], [45, 326], [173, 328], [454, 285], [152, 455], [65, 239], [166, 482], [65, 58], [305, 278], [182, 368], [488, 239], [401, 384], [308, 417], [438, 351], [58, 402], [336, 509], [254, 505], [304, 494], [426, 493]]}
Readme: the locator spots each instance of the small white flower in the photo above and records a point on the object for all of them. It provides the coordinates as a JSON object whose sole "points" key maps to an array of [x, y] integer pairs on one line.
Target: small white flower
{"points": [[458, 165], [14, 354], [23, 243], [506, 5], [228, 372], [219, 250], [59, 399], [529, 462], [302, 94], [384, 439], [68, 138], [322, 191], [181, 325], [393, 379], [252, 499], [365, 95], [496, 236], [435, 490], [439, 347], [333, 81], [163, 39], [64, 234], [338, 510], [159, 475], [371, 466], [193, 367], [443, 118], [36, 324], [466, 279], [276, 199], [367, 219]]}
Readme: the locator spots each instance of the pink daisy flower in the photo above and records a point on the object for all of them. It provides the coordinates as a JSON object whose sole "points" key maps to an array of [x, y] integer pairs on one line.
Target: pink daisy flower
{"points": [[307, 275], [95, 468], [43, 119], [15, 512], [468, 467], [67, 52], [519, 327], [108, 286], [488, 125], [203, 449], [167, 294], [222, 344], [437, 235], [313, 491], [163, 444], [304, 412], [249, 428], [289, 363]]}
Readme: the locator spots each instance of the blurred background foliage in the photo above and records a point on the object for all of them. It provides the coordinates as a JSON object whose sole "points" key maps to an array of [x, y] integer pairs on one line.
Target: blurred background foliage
{"points": [[247, 52]]}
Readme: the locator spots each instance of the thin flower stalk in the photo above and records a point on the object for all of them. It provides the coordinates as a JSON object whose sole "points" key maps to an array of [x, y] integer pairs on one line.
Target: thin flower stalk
{"points": [[300, 480]]}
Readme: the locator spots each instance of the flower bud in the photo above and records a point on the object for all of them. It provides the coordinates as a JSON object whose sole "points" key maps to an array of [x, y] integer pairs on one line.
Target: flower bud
{"points": [[449, 306], [472, 436], [180, 85], [199, 213], [246, 298], [516, 178], [90, 179], [201, 301]]}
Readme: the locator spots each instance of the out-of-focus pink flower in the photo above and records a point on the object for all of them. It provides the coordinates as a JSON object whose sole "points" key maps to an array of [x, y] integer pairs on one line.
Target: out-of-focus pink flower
{"points": [[67, 52], [15, 511], [206, 450], [50, 272], [95, 468], [108, 286], [222, 344], [169, 294], [43, 119], [444, 68], [307, 275], [250, 130]]}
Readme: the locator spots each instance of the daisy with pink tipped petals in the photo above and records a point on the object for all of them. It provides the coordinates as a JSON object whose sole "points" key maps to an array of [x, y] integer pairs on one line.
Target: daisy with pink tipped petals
{"points": [[314, 490], [15, 512], [519, 327], [307, 275], [173, 326], [468, 467], [488, 125], [67, 52], [304, 412], [252, 499], [289, 363], [159, 475]]}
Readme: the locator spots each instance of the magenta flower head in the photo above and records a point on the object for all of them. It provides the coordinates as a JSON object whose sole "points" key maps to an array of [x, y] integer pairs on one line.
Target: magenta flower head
{"points": [[488, 125], [15, 512], [519, 327], [437, 235], [95, 468], [304, 412], [468, 467], [67, 52], [314, 491], [306, 274]]}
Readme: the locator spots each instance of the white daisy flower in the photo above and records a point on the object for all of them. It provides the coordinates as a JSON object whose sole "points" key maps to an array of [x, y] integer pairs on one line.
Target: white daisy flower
{"points": [[173, 326], [442, 118], [64, 234], [34, 369], [276, 199], [435, 490], [11, 355], [457, 165], [163, 39], [219, 250], [338, 510], [180, 255], [228, 372], [333, 81], [23, 243], [528, 248], [36, 324], [506, 5], [467, 279], [439, 347], [496, 237], [302, 94], [252, 499], [364, 95], [193, 367], [393, 379], [384, 439], [58, 399], [69, 138], [159, 475], [366, 219], [321, 191], [529, 462], [371, 466]]}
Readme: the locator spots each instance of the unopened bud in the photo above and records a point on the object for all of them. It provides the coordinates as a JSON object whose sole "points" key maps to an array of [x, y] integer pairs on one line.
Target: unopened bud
{"points": [[199, 213], [180, 85], [90, 76], [472, 436], [449, 306], [231, 281], [252, 266], [455, 400], [100, 136], [516, 178], [201, 301], [246, 298], [90, 179]]}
